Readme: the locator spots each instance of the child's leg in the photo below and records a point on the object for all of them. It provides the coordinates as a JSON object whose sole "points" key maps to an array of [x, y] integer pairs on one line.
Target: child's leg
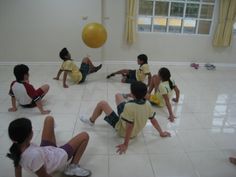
{"points": [[48, 135], [87, 60], [92, 68], [123, 72], [155, 81], [101, 106], [45, 89], [78, 144], [119, 98]]}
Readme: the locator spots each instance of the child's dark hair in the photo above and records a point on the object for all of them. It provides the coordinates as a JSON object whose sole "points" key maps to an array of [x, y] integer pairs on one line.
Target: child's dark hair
{"points": [[143, 58], [64, 54], [165, 75], [138, 89], [20, 71], [19, 130]]}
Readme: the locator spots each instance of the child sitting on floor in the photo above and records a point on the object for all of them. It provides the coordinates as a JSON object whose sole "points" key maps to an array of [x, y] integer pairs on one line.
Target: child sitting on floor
{"points": [[132, 115], [23, 92], [78, 75]]}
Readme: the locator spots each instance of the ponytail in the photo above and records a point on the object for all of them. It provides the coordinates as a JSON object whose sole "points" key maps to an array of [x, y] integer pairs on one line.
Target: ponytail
{"points": [[171, 84], [165, 75], [14, 154], [19, 130]]}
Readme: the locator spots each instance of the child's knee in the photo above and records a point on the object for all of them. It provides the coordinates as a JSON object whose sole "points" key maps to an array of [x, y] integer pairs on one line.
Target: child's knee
{"points": [[118, 96], [155, 76], [49, 119], [102, 104], [85, 60], [84, 136], [45, 87]]}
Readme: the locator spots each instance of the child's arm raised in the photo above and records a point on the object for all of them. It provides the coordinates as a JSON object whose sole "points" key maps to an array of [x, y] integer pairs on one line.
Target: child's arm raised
{"points": [[18, 171], [58, 75], [156, 125], [13, 102], [123, 147]]}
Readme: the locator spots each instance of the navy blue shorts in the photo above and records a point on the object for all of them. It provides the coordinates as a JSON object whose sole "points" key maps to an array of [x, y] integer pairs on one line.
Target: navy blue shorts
{"points": [[84, 69], [113, 118], [131, 77]]}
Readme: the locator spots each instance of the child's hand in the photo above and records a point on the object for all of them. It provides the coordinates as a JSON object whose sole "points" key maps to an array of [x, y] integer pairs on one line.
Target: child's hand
{"points": [[45, 112], [12, 109], [56, 78], [172, 118], [165, 134], [121, 149], [175, 100]]}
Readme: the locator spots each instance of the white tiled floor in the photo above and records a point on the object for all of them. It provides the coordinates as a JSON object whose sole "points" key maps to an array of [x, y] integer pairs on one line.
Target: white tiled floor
{"points": [[203, 135]]}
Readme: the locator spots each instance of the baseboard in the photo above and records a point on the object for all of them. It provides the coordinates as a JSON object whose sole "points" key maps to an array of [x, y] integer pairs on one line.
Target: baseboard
{"points": [[113, 62], [162, 63]]}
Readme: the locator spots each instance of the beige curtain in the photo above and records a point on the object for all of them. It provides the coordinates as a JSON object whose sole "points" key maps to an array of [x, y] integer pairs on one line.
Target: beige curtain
{"points": [[130, 26], [224, 30]]}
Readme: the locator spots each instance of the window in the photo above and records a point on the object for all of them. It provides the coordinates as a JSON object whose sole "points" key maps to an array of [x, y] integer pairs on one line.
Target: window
{"points": [[176, 16]]}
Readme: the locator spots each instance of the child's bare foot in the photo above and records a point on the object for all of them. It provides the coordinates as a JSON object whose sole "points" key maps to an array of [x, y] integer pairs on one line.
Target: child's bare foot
{"points": [[56, 78], [12, 109], [232, 160]]}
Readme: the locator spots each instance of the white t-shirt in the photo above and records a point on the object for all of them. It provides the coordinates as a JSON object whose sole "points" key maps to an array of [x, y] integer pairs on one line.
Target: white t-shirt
{"points": [[34, 157]]}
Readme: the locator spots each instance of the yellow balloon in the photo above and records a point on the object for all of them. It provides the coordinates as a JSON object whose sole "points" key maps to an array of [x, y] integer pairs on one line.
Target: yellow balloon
{"points": [[94, 35]]}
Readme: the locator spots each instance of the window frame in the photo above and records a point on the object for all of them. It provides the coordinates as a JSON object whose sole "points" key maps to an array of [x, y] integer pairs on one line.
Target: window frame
{"points": [[185, 2]]}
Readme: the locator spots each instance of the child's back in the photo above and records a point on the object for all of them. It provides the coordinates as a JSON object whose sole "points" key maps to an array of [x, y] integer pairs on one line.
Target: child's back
{"points": [[136, 112], [75, 74], [163, 89]]}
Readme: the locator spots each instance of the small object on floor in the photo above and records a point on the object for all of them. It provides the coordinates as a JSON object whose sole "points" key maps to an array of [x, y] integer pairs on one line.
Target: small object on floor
{"points": [[110, 75], [194, 65], [232, 160], [210, 66]]}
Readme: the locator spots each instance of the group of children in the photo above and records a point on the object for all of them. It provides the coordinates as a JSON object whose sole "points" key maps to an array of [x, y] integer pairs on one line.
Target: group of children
{"points": [[131, 117]]}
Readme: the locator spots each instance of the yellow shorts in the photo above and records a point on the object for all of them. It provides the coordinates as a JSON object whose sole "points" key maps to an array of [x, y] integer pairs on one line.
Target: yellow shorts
{"points": [[154, 99]]}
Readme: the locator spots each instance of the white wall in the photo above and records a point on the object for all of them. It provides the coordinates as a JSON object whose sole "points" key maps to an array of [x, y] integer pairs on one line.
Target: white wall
{"points": [[35, 30]]}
